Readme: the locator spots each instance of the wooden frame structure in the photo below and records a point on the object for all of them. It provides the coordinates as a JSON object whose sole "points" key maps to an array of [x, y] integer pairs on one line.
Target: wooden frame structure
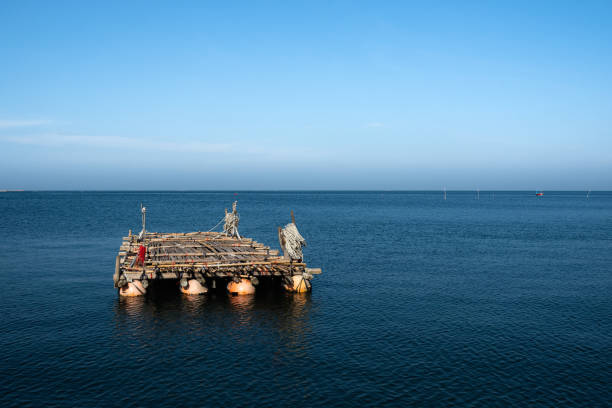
{"points": [[202, 255], [197, 258]]}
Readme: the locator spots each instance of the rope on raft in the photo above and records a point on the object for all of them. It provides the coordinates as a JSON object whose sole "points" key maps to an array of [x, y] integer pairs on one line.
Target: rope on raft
{"points": [[293, 241], [231, 221], [219, 223]]}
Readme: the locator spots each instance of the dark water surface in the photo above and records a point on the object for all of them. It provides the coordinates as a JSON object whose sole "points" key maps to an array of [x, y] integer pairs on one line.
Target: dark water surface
{"points": [[498, 302]]}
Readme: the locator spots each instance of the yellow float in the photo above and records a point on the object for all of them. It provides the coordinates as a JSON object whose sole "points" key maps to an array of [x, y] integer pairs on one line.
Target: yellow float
{"points": [[243, 287], [299, 284]]}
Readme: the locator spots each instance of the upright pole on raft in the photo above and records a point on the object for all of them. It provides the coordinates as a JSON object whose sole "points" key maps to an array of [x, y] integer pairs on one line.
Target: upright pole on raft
{"points": [[281, 241], [131, 286], [117, 270], [291, 242], [231, 221], [142, 234]]}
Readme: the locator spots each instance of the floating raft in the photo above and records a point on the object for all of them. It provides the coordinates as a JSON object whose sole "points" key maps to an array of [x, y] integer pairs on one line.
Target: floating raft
{"points": [[197, 260]]}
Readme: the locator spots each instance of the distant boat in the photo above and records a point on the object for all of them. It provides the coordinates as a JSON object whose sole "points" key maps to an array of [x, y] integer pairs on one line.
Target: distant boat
{"points": [[539, 193]]}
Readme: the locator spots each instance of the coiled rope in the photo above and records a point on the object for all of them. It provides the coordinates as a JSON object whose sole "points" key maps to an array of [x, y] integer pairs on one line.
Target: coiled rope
{"points": [[231, 222], [293, 241]]}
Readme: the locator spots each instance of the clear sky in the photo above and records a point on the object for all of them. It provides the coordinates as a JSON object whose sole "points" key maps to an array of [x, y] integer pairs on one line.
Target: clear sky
{"points": [[306, 95]]}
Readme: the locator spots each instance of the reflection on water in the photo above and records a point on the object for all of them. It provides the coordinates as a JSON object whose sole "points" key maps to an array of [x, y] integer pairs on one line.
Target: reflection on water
{"points": [[296, 325], [295, 304], [242, 304], [218, 321]]}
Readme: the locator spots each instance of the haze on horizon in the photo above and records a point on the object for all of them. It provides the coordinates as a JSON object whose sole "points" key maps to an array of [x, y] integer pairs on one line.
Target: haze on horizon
{"points": [[312, 95]]}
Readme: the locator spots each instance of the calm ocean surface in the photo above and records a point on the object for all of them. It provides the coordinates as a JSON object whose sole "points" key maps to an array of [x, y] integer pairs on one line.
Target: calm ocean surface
{"points": [[498, 302]]}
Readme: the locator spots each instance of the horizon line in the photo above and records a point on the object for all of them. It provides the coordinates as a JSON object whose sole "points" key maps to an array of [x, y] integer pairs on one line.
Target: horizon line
{"points": [[19, 190]]}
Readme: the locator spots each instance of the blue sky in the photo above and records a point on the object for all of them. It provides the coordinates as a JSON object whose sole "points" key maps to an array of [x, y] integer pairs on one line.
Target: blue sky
{"points": [[306, 95]]}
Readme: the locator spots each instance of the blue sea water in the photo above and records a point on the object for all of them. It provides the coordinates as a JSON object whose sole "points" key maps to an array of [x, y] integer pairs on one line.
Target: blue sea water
{"points": [[498, 302]]}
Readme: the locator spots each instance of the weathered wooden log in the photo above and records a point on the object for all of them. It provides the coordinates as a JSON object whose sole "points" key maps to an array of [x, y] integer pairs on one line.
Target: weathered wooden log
{"points": [[281, 241], [117, 270], [279, 264]]}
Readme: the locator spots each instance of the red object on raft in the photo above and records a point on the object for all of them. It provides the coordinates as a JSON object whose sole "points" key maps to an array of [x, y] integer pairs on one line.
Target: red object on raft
{"points": [[142, 252], [539, 194]]}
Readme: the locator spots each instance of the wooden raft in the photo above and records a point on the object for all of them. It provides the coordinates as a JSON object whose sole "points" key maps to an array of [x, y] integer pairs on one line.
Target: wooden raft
{"points": [[202, 255]]}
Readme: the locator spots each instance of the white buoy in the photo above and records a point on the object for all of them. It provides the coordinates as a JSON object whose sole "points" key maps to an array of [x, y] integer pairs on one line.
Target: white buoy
{"points": [[134, 288], [194, 288]]}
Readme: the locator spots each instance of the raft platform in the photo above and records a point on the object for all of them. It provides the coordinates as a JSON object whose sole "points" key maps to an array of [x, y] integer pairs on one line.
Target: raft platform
{"points": [[199, 260]]}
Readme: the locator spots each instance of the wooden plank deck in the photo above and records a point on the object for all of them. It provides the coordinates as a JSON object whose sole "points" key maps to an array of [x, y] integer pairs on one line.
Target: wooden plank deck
{"points": [[203, 254]]}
